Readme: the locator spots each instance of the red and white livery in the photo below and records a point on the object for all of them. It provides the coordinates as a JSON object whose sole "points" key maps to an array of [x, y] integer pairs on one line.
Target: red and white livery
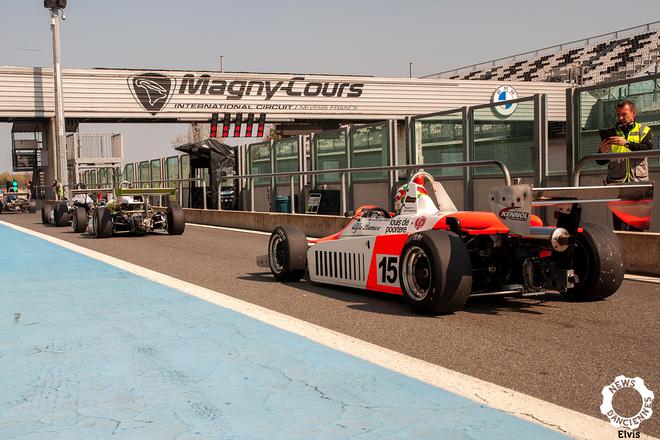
{"points": [[437, 256]]}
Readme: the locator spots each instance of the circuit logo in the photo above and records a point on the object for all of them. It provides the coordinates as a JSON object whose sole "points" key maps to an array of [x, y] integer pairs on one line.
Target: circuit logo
{"points": [[297, 86], [152, 90]]}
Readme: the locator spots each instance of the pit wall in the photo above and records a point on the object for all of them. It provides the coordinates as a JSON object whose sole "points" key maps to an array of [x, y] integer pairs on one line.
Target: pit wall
{"points": [[637, 262], [313, 225], [321, 225]]}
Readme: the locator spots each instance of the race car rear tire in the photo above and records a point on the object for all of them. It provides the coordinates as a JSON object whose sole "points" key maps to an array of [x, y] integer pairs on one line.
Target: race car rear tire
{"points": [[598, 263], [79, 220], [32, 206], [45, 213], [287, 253], [61, 215], [176, 221], [102, 223], [435, 272]]}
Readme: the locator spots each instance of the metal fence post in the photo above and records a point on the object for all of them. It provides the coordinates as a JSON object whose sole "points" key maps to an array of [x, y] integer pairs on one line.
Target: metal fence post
{"points": [[343, 203], [251, 185], [349, 164], [571, 138], [273, 181], [220, 193], [204, 192], [292, 204], [408, 140], [393, 175], [468, 147], [540, 139], [312, 157]]}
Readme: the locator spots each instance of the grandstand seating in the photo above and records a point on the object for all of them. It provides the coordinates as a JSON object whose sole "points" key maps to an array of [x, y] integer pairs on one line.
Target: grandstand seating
{"points": [[589, 61]]}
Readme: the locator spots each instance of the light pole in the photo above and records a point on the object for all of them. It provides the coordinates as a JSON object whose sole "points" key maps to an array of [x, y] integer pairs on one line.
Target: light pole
{"points": [[60, 142], [410, 67]]}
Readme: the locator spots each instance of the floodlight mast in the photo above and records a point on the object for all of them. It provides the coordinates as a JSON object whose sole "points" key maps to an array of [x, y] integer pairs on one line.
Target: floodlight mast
{"points": [[61, 173]]}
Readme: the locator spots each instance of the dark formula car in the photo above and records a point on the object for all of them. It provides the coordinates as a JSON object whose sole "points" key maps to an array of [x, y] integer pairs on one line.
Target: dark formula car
{"points": [[75, 211], [131, 211], [16, 202]]}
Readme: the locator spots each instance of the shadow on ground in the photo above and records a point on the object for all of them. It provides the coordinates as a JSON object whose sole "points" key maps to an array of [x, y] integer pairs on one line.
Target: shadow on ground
{"points": [[376, 302]]}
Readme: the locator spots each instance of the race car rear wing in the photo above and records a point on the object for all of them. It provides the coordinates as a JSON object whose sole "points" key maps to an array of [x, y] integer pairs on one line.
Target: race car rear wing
{"points": [[591, 194], [513, 203], [145, 192], [18, 193], [92, 191]]}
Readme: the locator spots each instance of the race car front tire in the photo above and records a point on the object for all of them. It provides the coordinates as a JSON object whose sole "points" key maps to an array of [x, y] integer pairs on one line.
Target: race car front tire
{"points": [[176, 221], [287, 253], [102, 223], [435, 272], [45, 213], [598, 263], [79, 220], [61, 215], [32, 206]]}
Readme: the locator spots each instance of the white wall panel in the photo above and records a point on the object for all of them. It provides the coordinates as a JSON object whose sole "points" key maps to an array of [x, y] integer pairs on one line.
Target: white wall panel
{"points": [[107, 94]]}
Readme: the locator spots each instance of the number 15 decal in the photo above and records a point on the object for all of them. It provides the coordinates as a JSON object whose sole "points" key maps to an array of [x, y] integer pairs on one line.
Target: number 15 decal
{"points": [[388, 270]]}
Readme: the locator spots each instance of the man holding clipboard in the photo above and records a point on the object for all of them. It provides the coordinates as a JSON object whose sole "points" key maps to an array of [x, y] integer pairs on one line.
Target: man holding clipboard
{"points": [[626, 135]]}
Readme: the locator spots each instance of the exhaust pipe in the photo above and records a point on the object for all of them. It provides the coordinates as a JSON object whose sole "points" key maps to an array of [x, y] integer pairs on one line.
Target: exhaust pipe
{"points": [[557, 239]]}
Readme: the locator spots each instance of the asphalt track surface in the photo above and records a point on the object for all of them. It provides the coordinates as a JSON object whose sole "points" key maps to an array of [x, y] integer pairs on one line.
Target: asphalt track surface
{"points": [[559, 351]]}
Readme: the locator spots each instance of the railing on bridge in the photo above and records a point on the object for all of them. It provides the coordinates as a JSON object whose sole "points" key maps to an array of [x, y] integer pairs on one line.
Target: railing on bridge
{"points": [[547, 51]]}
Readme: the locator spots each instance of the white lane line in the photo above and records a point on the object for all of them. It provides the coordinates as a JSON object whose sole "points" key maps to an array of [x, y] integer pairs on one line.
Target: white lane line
{"points": [[225, 228], [552, 416], [642, 278]]}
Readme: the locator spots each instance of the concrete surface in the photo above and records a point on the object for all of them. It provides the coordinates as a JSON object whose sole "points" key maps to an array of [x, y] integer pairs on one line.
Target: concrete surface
{"points": [[556, 350], [642, 250], [92, 351], [313, 225]]}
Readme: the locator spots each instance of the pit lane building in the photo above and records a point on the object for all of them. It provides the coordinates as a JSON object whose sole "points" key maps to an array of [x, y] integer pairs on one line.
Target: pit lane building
{"points": [[298, 103]]}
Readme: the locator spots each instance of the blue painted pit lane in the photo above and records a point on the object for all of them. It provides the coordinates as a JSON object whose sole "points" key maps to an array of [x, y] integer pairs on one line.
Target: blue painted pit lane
{"points": [[92, 351]]}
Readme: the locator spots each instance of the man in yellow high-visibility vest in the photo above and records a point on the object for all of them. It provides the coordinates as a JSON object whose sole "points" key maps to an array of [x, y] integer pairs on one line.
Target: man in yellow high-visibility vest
{"points": [[58, 189], [630, 136]]}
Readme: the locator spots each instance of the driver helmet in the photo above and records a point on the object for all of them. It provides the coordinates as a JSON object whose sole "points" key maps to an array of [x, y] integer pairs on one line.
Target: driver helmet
{"points": [[400, 198]]}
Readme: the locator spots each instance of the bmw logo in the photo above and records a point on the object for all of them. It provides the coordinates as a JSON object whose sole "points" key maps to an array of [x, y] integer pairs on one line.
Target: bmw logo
{"points": [[504, 93]]}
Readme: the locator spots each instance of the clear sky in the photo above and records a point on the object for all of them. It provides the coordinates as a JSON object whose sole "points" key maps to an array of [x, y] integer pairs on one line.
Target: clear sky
{"points": [[345, 37]]}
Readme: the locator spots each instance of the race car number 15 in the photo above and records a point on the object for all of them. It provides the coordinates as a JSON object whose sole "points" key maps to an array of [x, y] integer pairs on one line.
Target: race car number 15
{"points": [[388, 269]]}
